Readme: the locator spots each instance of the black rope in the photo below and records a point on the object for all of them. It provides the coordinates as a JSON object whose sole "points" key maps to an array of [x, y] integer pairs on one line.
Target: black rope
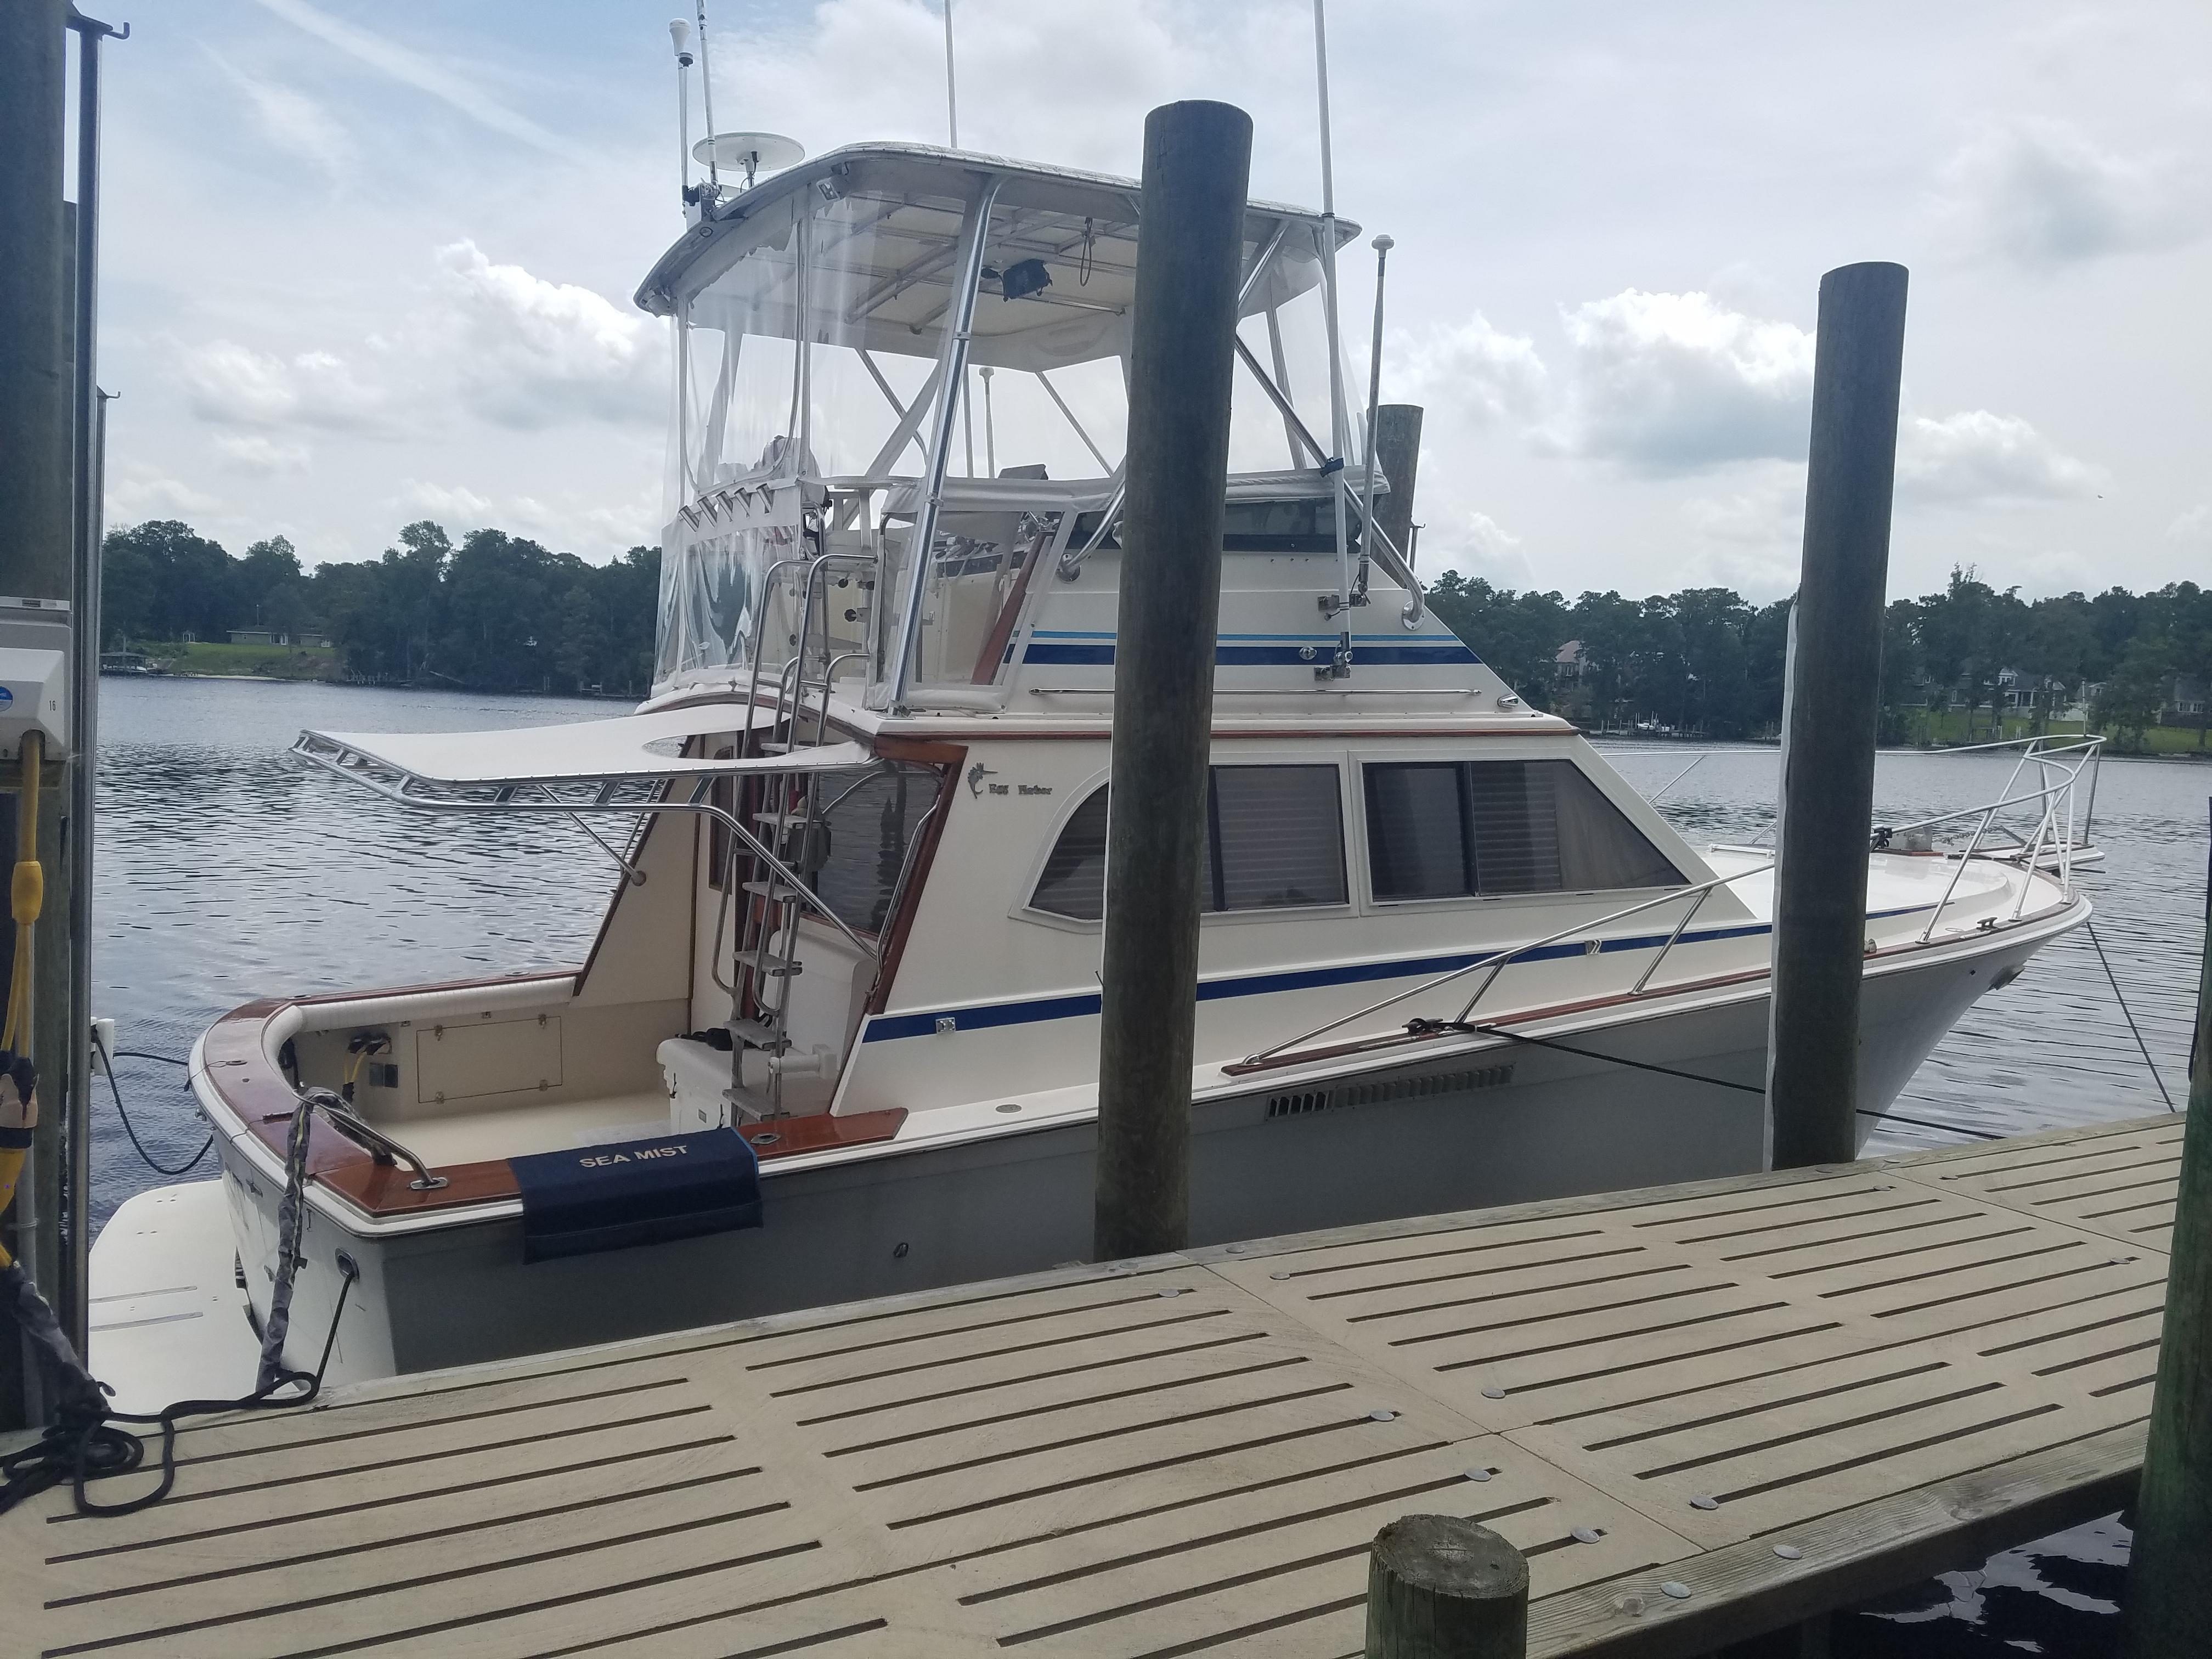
{"points": [[140, 1054], [1422, 1025], [87, 1445], [122, 1112], [2130, 1017], [1586, 1054]]}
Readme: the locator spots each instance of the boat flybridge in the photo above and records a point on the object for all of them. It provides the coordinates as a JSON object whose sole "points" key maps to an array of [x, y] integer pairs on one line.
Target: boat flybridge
{"points": [[1449, 957]]}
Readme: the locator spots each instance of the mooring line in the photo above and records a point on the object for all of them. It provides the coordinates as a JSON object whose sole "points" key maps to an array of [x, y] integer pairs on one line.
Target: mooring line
{"points": [[2130, 1019]]}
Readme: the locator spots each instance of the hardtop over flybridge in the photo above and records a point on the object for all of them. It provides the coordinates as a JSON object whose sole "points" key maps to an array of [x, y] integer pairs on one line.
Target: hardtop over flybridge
{"points": [[1449, 956]]}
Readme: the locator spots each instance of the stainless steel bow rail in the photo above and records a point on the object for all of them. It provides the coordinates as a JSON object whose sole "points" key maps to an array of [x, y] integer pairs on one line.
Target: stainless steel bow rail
{"points": [[2052, 839]]}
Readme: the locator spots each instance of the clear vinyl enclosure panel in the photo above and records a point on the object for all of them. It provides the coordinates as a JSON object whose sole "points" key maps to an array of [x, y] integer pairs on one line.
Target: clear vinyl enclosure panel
{"points": [[813, 332]]}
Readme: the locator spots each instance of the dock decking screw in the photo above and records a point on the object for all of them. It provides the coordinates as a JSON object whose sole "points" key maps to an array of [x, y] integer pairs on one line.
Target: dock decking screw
{"points": [[1382, 1417], [1279, 1275], [1481, 1474], [1493, 1392], [1702, 1502], [1588, 1535], [1790, 1552], [1172, 1290], [1675, 1589]]}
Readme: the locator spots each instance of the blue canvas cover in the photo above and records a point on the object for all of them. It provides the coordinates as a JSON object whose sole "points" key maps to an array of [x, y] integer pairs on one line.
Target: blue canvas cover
{"points": [[636, 1192]]}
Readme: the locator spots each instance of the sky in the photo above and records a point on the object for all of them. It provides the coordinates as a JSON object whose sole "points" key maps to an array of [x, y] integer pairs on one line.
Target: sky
{"points": [[370, 262]]}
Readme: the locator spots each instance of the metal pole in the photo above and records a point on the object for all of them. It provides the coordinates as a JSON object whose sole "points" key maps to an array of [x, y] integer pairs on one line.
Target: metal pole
{"points": [[1340, 664], [1828, 784], [1197, 165], [706, 99], [1382, 245], [678, 31], [952, 105], [952, 382], [73, 1298], [2169, 1599]]}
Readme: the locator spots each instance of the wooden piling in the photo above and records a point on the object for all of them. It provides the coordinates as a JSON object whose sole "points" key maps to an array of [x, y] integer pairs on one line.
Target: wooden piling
{"points": [[1442, 1588], [1398, 451], [1197, 162], [2169, 1600], [1832, 706]]}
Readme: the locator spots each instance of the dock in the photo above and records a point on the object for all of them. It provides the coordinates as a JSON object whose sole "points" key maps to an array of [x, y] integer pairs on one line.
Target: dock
{"points": [[1701, 1412]]}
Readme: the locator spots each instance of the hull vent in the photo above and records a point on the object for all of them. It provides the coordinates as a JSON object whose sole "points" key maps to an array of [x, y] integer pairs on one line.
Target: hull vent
{"points": [[1309, 1101]]}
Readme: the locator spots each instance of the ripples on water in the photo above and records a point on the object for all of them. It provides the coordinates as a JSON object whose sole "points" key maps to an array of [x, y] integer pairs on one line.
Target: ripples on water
{"points": [[228, 872]]}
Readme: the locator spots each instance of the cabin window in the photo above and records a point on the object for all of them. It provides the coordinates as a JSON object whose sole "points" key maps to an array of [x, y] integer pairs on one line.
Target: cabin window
{"points": [[867, 827], [1454, 828], [1275, 840]]}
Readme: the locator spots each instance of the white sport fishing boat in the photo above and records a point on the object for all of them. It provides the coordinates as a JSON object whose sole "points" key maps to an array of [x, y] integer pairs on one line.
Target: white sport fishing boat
{"points": [[1450, 958]]}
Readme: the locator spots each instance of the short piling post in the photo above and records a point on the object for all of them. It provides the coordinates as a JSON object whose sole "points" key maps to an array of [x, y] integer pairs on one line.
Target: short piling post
{"points": [[1831, 712], [1442, 1588], [2169, 1597], [1197, 162], [1398, 452]]}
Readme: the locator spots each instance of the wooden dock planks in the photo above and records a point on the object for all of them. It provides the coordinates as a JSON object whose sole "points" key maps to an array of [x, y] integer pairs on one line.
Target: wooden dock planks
{"points": [[1887, 1368]]}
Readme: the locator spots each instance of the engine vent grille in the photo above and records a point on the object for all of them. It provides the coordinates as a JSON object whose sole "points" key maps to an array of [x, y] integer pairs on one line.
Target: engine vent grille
{"points": [[1308, 1101]]}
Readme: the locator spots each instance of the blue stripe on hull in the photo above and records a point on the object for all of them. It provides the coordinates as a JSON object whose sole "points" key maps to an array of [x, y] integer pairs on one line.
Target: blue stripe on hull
{"points": [[886, 1028]]}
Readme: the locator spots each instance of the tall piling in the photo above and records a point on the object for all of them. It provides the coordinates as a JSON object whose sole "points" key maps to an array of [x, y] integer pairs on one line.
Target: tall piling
{"points": [[35, 514], [1398, 452], [1832, 708], [1197, 163], [2169, 1599]]}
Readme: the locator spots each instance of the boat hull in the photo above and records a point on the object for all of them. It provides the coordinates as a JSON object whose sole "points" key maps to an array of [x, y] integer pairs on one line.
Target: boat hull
{"points": [[1672, 1094]]}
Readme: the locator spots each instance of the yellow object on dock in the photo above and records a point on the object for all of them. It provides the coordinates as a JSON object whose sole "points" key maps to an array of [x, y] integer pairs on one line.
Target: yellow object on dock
{"points": [[1699, 1410]]}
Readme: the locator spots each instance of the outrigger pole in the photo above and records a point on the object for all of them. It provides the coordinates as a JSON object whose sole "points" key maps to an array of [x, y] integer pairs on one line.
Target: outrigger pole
{"points": [[1341, 664]]}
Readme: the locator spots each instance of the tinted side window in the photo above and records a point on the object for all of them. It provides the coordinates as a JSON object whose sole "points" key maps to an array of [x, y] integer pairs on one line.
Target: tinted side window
{"points": [[1417, 841], [1443, 829], [1074, 879], [1274, 835], [865, 833], [1277, 837]]}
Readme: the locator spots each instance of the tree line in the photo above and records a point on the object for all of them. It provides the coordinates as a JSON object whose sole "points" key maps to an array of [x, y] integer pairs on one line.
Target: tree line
{"points": [[1705, 661], [498, 613], [501, 613]]}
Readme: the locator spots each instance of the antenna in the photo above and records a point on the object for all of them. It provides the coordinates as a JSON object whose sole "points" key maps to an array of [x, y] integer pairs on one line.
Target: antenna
{"points": [[1382, 244], [1341, 667], [679, 35], [707, 86], [952, 105]]}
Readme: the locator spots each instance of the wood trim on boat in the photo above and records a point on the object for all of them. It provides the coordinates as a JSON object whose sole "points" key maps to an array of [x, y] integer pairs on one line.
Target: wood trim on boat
{"points": [[899, 926], [237, 1067]]}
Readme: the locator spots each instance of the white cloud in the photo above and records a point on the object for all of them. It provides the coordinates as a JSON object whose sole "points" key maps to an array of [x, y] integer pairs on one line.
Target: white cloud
{"points": [[1677, 383], [569, 521], [136, 492], [1977, 457], [233, 385], [1490, 378], [1475, 545], [2039, 194], [424, 74], [2192, 528], [1750, 537], [532, 353], [456, 502], [294, 122], [252, 453]]}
